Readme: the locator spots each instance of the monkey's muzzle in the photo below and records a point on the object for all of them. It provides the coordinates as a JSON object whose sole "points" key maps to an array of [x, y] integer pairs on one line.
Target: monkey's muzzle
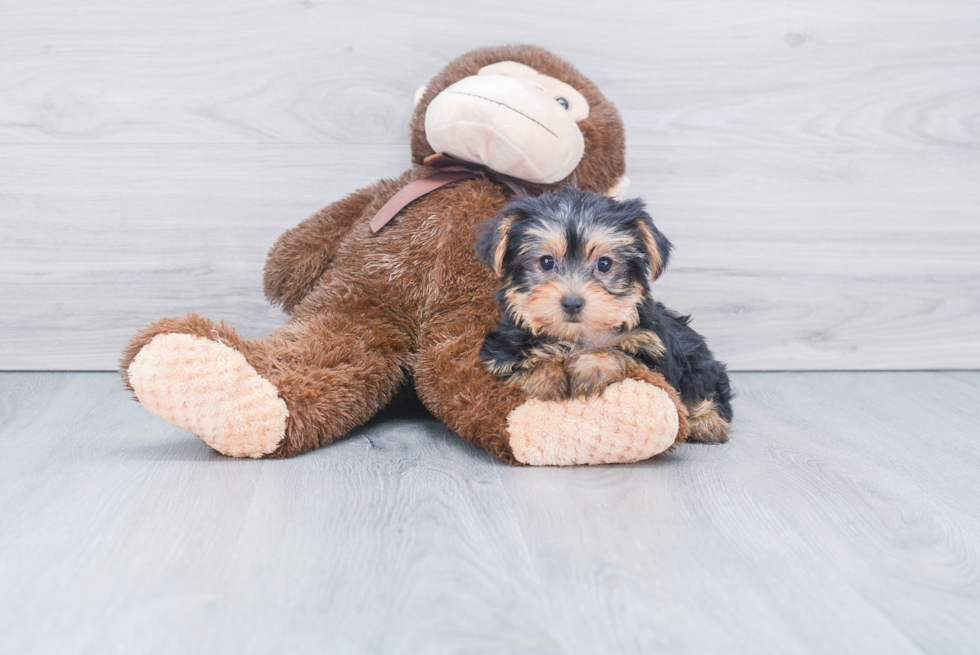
{"points": [[510, 125]]}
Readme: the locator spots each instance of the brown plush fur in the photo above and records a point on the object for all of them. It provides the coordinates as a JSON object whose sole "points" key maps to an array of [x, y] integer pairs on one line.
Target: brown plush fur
{"points": [[370, 309]]}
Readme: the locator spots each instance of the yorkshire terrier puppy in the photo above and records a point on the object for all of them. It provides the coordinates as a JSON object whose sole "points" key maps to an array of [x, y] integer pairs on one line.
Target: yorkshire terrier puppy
{"points": [[576, 313]]}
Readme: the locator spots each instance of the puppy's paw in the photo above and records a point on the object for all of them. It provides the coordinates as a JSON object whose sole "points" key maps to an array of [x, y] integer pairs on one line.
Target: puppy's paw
{"points": [[547, 381], [707, 425], [590, 373], [631, 421]]}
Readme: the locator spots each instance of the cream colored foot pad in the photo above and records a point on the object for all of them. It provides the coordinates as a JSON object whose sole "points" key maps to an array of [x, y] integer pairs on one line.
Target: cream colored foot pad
{"points": [[209, 389], [631, 421]]}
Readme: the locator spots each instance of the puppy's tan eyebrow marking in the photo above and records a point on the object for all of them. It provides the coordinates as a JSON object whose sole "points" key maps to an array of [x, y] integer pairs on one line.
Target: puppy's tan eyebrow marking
{"points": [[548, 238], [557, 246], [606, 242]]}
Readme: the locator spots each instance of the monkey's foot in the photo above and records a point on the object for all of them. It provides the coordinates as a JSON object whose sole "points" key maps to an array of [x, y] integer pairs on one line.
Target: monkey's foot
{"points": [[208, 388], [631, 421]]}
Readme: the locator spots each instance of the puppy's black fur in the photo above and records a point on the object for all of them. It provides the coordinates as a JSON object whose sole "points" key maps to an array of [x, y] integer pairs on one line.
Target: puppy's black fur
{"points": [[688, 363], [548, 249]]}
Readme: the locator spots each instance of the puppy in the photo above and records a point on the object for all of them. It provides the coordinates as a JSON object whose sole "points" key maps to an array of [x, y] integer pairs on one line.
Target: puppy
{"points": [[575, 270]]}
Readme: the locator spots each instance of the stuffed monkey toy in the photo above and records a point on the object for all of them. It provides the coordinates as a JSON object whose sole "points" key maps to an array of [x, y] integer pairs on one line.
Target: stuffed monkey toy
{"points": [[382, 293]]}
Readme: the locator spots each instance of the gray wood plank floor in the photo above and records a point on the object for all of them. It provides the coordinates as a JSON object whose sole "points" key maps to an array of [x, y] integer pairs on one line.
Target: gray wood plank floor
{"points": [[815, 163], [844, 517]]}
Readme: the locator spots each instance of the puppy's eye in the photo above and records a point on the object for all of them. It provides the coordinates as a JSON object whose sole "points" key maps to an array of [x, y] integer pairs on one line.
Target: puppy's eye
{"points": [[562, 102], [547, 262], [604, 265]]}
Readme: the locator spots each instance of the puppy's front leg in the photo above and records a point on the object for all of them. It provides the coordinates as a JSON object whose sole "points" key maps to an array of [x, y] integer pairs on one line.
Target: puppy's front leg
{"points": [[545, 380], [590, 372]]}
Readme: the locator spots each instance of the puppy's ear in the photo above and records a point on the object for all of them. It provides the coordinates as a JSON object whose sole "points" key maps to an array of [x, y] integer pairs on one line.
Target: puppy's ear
{"points": [[656, 245], [492, 244]]}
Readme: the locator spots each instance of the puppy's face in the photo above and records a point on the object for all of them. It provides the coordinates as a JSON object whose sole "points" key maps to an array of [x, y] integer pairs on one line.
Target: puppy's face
{"points": [[574, 265]]}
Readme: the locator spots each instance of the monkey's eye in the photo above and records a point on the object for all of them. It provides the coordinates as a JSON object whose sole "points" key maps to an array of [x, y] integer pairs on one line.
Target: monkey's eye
{"points": [[547, 263], [604, 265], [562, 102]]}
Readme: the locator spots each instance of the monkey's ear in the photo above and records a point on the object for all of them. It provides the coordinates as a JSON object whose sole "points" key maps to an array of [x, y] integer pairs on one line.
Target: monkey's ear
{"points": [[619, 190], [656, 245], [419, 92], [492, 244]]}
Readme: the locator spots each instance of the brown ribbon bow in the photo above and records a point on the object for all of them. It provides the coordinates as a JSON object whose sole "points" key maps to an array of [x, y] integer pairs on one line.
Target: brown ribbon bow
{"points": [[450, 170]]}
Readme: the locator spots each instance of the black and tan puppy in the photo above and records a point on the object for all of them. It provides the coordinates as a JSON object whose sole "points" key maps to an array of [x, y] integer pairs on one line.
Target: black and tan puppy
{"points": [[576, 313]]}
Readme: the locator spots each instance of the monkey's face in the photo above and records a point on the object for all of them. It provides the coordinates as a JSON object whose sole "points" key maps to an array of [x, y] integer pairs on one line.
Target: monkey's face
{"points": [[512, 119], [575, 266], [524, 112]]}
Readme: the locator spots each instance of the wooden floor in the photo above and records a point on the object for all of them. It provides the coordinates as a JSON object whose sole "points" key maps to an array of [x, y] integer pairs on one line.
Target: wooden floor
{"points": [[842, 518]]}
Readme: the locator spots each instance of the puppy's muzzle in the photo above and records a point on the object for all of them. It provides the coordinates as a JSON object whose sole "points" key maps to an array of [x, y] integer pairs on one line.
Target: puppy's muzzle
{"points": [[572, 304]]}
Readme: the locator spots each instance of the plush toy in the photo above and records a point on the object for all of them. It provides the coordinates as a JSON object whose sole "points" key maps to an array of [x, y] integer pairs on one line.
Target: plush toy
{"points": [[384, 289]]}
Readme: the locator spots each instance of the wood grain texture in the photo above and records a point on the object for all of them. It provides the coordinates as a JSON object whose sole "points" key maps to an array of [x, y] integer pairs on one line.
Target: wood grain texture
{"points": [[786, 263], [708, 73], [842, 518], [815, 164]]}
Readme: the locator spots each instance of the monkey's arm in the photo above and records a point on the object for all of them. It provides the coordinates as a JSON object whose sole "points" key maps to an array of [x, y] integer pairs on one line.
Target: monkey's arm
{"points": [[301, 254]]}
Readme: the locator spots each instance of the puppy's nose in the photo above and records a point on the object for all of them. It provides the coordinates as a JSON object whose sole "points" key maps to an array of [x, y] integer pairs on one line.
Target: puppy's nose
{"points": [[572, 304]]}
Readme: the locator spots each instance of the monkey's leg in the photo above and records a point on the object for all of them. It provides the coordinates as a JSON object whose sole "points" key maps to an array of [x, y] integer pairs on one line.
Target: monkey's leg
{"points": [[455, 385], [632, 420], [302, 386]]}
